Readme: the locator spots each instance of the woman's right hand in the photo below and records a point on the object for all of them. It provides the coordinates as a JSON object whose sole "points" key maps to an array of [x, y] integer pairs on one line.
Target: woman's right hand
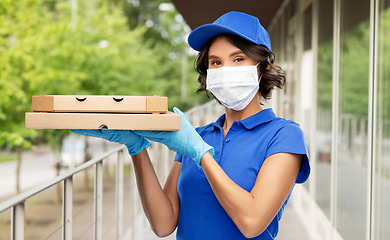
{"points": [[134, 143]]}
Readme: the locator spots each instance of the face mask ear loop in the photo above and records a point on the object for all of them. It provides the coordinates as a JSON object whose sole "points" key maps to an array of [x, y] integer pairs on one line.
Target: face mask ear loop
{"points": [[260, 74]]}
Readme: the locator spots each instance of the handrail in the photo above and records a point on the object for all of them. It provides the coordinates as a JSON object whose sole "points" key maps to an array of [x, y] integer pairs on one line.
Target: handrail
{"points": [[18, 202], [24, 196]]}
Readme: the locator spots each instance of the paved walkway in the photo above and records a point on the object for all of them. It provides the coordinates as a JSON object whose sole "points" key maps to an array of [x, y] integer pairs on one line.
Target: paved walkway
{"points": [[291, 227]]}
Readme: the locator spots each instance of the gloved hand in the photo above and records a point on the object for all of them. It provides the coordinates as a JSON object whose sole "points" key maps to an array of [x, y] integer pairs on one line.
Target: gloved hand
{"points": [[134, 143], [187, 141]]}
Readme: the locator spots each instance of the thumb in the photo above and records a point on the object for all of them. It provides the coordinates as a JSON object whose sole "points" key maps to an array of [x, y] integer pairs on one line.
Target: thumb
{"points": [[183, 118], [177, 110]]}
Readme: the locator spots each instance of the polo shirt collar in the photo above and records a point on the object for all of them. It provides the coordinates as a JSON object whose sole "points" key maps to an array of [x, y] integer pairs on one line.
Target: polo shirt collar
{"points": [[220, 121], [264, 116]]}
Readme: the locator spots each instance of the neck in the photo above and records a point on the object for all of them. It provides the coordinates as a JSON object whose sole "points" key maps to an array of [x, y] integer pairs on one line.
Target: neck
{"points": [[233, 115]]}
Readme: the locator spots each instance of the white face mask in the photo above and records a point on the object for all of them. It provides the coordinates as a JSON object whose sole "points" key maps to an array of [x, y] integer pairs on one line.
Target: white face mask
{"points": [[234, 87]]}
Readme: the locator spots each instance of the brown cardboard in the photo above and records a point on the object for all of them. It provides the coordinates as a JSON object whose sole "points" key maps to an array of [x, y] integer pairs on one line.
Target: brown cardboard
{"points": [[99, 104], [158, 122]]}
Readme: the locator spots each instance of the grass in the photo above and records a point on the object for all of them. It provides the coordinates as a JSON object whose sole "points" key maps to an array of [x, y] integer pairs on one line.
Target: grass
{"points": [[7, 157]]}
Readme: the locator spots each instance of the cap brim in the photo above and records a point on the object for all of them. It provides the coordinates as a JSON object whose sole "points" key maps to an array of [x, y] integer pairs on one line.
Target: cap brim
{"points": [[199, 36]]}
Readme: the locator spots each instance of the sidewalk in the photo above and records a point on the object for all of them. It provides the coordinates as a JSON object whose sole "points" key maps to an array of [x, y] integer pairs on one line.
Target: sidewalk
{"points": [[291, 227]]}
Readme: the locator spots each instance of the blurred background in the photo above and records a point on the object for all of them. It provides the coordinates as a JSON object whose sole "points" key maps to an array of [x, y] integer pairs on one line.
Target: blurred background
{"points": [[97, 47], [73, 47], [336, 58]]}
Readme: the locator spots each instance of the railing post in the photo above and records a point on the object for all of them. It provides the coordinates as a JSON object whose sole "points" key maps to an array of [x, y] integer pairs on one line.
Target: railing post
{"points": [[119, 196], [67, 208], [133, 196], [98, 200], [17, 222]]}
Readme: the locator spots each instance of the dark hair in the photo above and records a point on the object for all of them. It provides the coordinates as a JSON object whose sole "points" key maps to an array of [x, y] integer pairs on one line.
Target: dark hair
{"points": [[272, 75]]}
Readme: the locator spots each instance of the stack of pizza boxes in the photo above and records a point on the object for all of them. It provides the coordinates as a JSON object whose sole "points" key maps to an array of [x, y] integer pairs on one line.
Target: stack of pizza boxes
{"points": [[101, 111]]}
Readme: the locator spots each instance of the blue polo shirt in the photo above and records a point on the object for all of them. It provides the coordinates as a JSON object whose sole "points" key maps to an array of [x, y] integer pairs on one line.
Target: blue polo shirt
{"points": [[241, 154]]}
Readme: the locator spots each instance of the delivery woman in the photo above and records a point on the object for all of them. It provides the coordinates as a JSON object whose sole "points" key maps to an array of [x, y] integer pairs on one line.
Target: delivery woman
{"points": [[232, 178]]}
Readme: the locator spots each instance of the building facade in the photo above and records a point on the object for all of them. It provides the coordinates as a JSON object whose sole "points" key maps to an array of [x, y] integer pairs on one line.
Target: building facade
{"points": [[336, 55]]}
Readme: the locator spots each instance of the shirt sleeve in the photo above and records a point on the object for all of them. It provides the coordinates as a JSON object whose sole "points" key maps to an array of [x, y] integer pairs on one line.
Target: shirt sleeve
{"points": [[178, 157], [290, 139]]}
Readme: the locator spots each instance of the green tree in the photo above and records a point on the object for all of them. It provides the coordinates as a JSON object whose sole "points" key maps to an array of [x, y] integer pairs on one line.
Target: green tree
{"points": [[354, 71], [167, 32], [383, 86], [325, 76], [46, 47], [53, 47]]}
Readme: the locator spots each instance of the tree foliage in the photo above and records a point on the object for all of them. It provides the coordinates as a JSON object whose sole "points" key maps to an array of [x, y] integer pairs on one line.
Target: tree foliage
{"points": [[95, 47], [383, 86], [354, 71]]}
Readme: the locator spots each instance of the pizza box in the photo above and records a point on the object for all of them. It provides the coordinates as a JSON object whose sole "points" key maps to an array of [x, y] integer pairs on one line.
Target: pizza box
{"points": [[168, 121], [99, 104]]}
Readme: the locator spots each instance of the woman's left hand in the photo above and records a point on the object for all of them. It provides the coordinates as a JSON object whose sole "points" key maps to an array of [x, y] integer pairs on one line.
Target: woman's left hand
{"points": [[187, 141]]}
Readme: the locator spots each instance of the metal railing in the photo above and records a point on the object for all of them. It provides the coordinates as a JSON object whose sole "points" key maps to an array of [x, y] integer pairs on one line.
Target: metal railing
{"points": [[353, 137], [17, 204], [161, 159]]}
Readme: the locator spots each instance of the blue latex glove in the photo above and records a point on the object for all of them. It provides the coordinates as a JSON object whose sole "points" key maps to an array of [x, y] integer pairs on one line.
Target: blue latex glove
{"points": [[187, 141], [134, 143]]}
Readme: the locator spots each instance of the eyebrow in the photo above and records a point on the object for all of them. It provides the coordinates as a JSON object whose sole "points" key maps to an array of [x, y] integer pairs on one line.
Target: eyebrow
{"points": [[212, 57], [231, 55], [236, 53]]}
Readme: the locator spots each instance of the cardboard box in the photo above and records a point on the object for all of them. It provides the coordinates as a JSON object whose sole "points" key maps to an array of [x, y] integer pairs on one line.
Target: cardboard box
{"points": [[99, 104], [158, 122]]}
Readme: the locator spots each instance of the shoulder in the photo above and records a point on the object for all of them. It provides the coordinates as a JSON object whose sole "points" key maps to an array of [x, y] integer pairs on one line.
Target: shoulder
{"points": [[286, 136], [267, 122], [283, 126], [283, 129], [281, 122]]}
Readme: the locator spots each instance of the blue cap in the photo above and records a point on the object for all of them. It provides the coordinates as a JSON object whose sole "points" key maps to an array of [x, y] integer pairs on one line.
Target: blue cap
{"points": [[236, 23]]}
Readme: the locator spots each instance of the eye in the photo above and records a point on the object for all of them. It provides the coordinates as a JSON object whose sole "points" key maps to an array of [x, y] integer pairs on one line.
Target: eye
{"points": [[239, 59], [215, 63]]}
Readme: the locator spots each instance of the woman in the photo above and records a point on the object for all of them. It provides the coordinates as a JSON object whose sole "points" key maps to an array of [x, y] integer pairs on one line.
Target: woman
{"points": [[232, 178]]}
